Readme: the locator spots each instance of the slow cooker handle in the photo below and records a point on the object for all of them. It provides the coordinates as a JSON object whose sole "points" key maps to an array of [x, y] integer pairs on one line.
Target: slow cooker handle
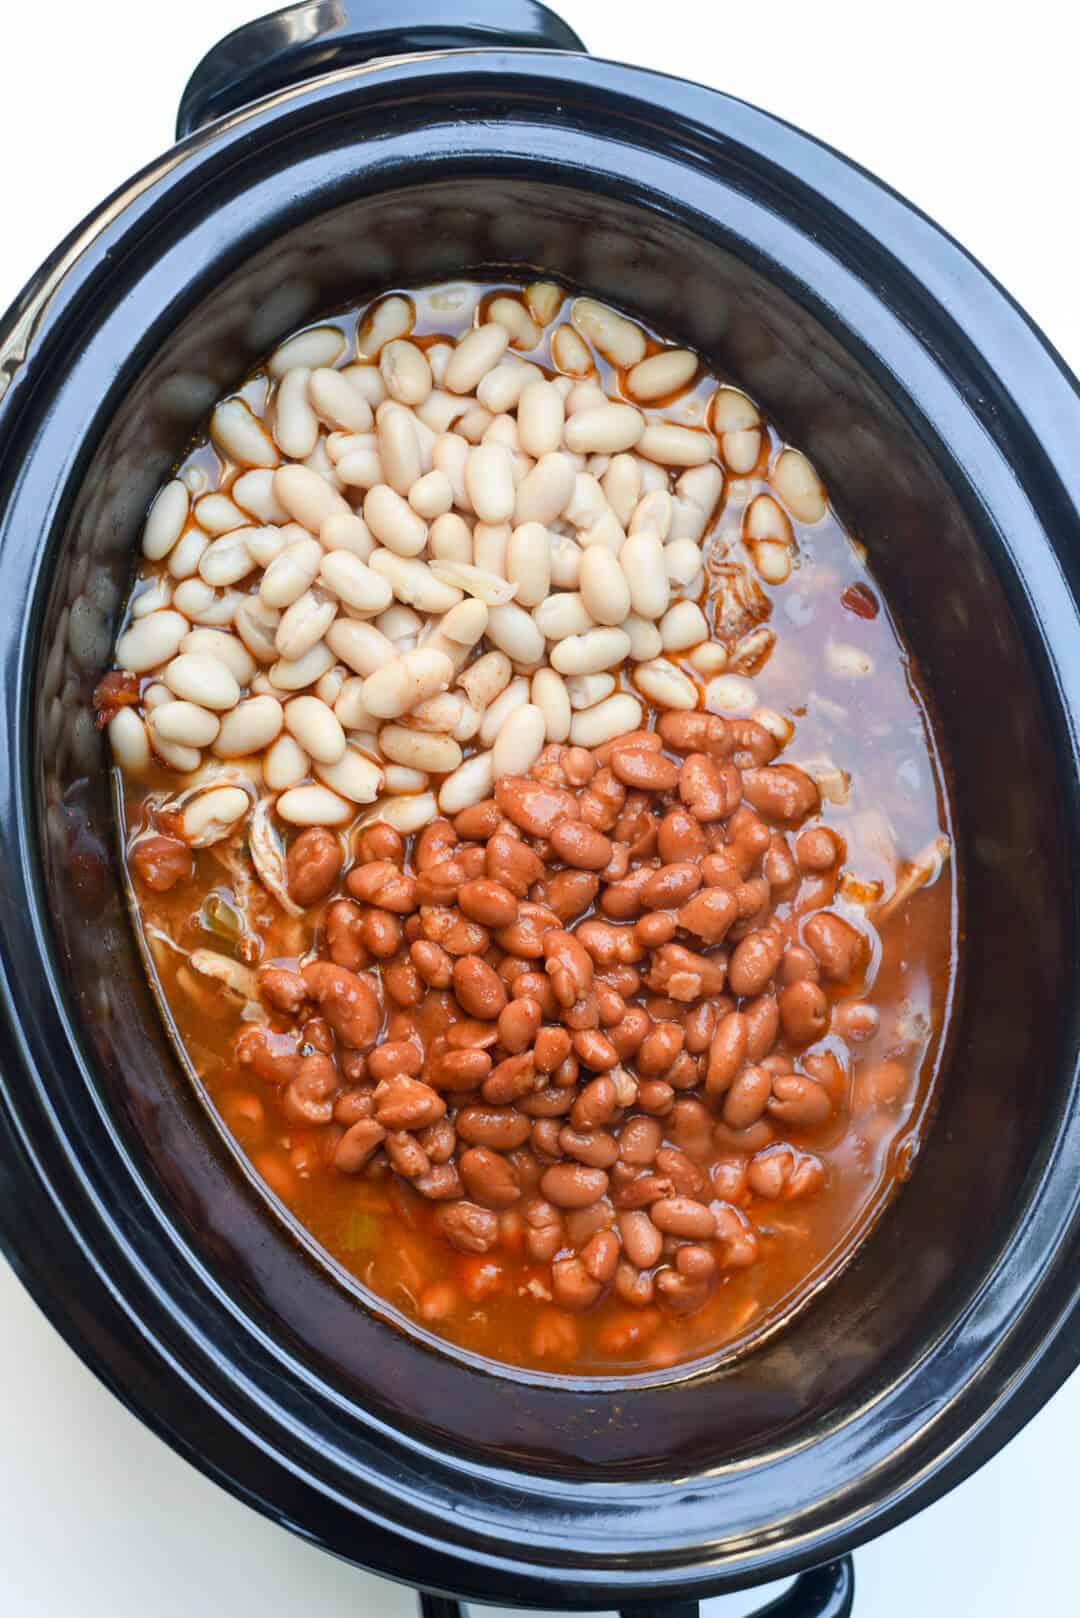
{"points": [[824, 1592], [315, 37]]}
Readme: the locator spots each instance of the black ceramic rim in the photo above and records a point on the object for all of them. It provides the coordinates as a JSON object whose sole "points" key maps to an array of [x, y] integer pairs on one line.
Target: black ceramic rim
{"points": [[148, 1315]]}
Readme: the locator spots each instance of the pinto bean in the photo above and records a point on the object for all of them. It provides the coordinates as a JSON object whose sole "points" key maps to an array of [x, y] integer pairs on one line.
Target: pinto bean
{"points": [[511, 1080], [568, 965], [747, 1097], [753, 962], [596, 1105], [543, 1231], [407, 1156], [441, 1183], [479, 990], [406, 1103], [680, 838], [804, 1012], [432, 962], [487, 902], [281, 988], [489, 1179], [816, 849], [641, 1239], [308, 1097], [379, 842], [709, 915], [347, 1001], [573, 1185], [684, 1174], [512, 863], [468, 1227], [313, 865], [682, 1216], [839, 948], [799, 1101], [782, 1172], [691, 732], [709, 791], [670, 886], [596, 1148], [395, 1056], [358, 1145], [572, 1287], [647, 771], [781, 792], [569, 893], [534, 806]]}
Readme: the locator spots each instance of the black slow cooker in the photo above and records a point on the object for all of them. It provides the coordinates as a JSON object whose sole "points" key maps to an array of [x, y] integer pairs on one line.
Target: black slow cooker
{"points": [[326, 152]]}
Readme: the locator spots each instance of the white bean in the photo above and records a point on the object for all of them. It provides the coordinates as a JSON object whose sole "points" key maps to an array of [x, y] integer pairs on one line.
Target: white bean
{"points": [[483, 680], [316, 728], [361, 468], [361, 647], [227, 648], [414, 582], [590, 653], [683, 626], [347, 533], [470, 783], [354, 583], [544, 299], [449, 537], [496, 713], [354, 776], [652, 514], [440, 713], [703, 485], [475, 355], [621, 484], [250, 727], [202, 680], [393, 521], [570, 352], [155, 695], [398, 779], [665, 685], [285, 764], [127, 738], [367, 380], [563, 614], [466, 622], [661, 374], [256, 625], [296, 426], [847, 662], [520, 741], [565, 560], [151, 640], [186, 554], [320, 463], [528, 563], [406, 814], [212, 815], [730, 694], [682, 560], [799, 486], [617, 338], [405, 371], [489, 482], [487, 587], [731, 411], [490, 543], [420, 749], [320, 345], [227, 560], [669, 445], [399, 623], [545, 492], [263, 544], [386, 320], [606, 532], [606, 429], [184, 759], [772, 560], [291, 573], [616, 716], [399, 685], [503, 388], [184, 722], [304, 624], [314, 806], [294, 674], [431, 496], [339, 403], [307, 497], [642, 560], [688, 521], [586, 690], [541, 414], [450, 454], [254, 491], [549, 693], [474, 424], [709, 658], [742, 451], [241, 436], [645, 642], [653, 478], [349, 705], [165, 520], [587, 504], [440, 410], [511, 629], [524, 332], [604, 589], [399, 447], [157, 594]]}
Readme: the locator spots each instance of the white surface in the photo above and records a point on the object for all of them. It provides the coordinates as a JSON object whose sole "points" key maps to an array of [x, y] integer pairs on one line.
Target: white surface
{"points": [[970, 117]]}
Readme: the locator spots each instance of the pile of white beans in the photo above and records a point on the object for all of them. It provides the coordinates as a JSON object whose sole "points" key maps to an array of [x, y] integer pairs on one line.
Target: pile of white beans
{"points": [[425, 561]]}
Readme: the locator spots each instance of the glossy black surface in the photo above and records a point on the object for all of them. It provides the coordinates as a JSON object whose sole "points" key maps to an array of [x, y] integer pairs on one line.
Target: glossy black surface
{"points": [[946, 429], [319, 36]]}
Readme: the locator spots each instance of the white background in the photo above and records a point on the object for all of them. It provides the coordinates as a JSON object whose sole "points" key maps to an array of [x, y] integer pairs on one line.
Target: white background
{"points": [[970, 116]]}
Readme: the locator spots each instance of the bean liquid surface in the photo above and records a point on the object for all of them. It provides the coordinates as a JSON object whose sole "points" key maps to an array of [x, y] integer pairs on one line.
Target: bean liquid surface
{"points": [[816, 662]]}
